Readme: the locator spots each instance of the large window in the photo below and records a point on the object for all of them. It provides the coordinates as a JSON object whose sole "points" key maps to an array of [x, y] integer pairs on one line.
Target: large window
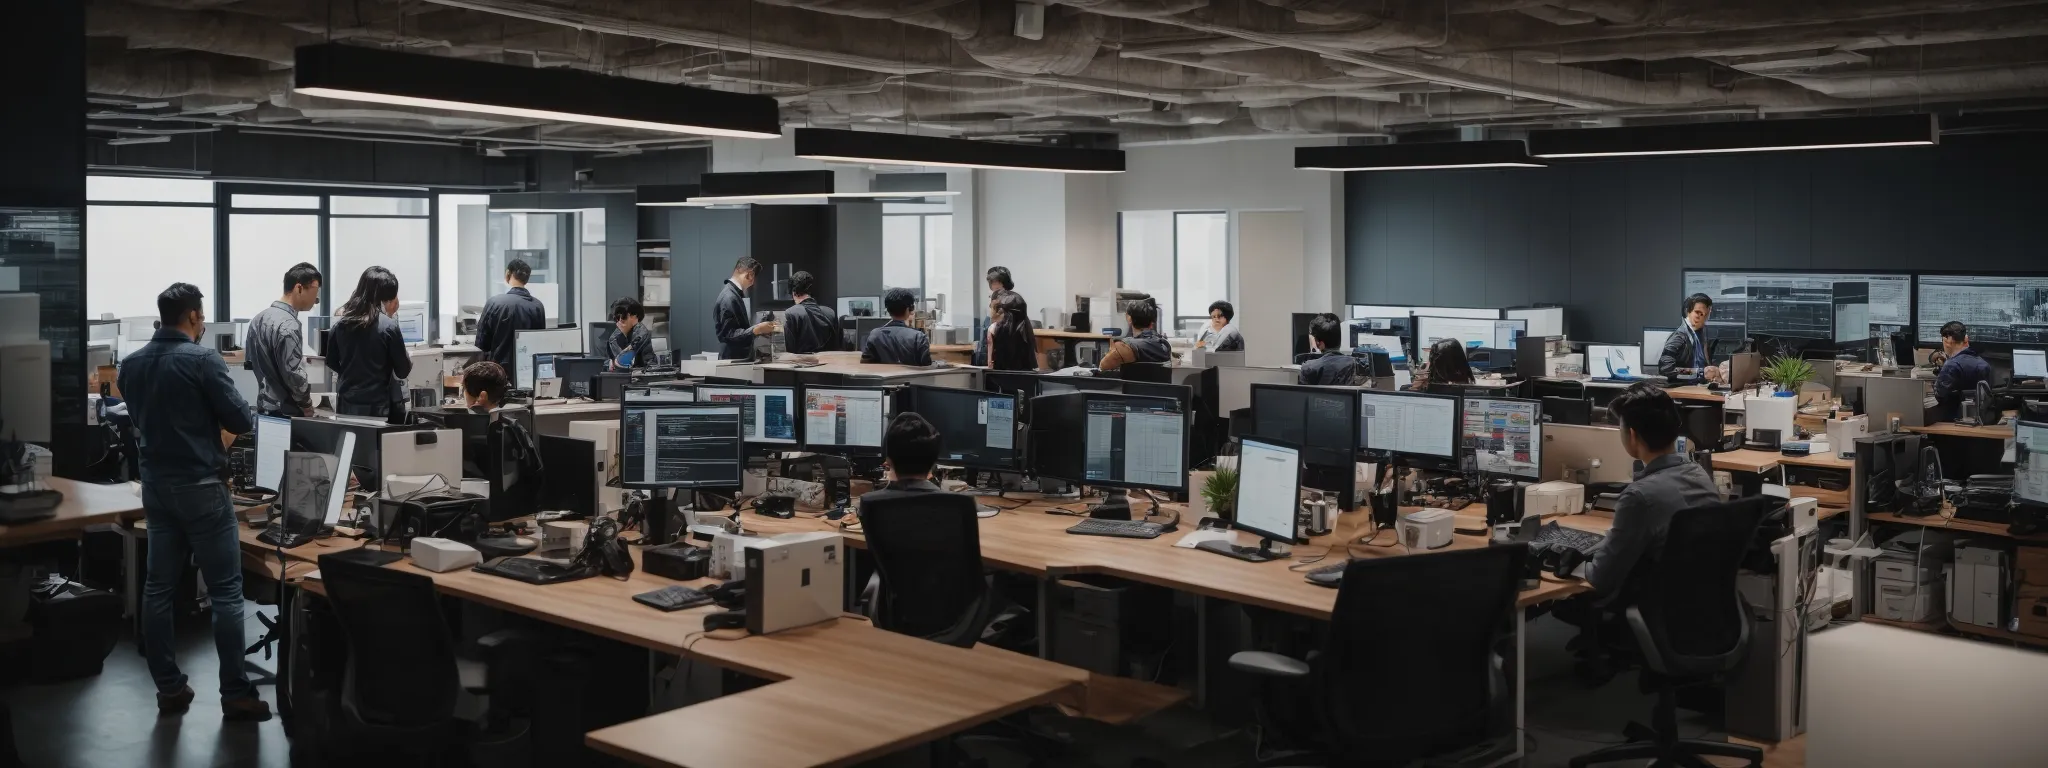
{"points": [[917, 248], [261, 248], [1181, 258], [142, 235]]}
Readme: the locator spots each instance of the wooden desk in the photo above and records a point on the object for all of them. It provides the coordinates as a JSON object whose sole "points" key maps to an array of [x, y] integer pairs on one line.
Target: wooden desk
{"points": [[905, 690], [84, 505], [1952, 429], [849, 364], [1063, 340], [958, 354], [1697, 393]]}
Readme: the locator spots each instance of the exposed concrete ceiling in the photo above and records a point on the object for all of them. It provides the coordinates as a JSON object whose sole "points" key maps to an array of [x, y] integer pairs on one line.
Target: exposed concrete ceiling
{"points": [[1155, 71]]}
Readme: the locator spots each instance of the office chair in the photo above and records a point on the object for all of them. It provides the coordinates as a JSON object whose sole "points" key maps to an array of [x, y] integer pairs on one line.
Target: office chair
{"points": [[1566, 388], [1690, 626], [401, 679], [1567, 410], [1443, 616], [1150, 373], [927, 551]]}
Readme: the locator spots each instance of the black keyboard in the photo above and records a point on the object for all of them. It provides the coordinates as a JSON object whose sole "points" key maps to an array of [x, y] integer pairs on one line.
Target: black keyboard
{"points": [[1572, 538], [1126, 529], [534, 570]]}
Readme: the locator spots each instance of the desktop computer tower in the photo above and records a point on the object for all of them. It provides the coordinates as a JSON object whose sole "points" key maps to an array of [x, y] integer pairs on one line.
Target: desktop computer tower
{"points": [[1096, 620]]}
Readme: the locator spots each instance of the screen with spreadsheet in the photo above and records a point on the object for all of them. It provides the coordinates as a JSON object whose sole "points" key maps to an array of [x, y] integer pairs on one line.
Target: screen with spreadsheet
{"points": [[1110, 440], [2030, 462], [2030, 363], [1408, 423], [838, 418], [767, 414]]}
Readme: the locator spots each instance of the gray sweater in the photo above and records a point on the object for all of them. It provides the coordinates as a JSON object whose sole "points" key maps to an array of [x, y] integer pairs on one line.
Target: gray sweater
{"points": [[1642, 517]]}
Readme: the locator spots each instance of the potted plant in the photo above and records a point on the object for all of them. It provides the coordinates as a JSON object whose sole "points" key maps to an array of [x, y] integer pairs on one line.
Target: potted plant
{"points": [[1787, 373], [1219, 492]]}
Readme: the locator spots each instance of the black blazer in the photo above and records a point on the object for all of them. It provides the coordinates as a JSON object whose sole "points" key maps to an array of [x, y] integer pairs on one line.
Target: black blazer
{"points": [[729, 318], [810, 327], [369, 361], [504, 315]]}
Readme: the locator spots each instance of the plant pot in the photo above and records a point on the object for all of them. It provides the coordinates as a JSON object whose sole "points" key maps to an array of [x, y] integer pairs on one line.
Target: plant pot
{"points": [[1783, 394]]}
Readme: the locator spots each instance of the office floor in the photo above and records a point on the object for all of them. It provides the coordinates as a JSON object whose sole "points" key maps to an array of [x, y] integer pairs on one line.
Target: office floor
{"points": [[111, 719]]}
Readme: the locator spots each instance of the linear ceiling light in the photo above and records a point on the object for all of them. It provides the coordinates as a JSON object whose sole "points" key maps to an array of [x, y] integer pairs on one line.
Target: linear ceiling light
{"points": [[556, 93], [904, 149], [543, 202], [1509, 153], [1743, 136], [761, 186]]}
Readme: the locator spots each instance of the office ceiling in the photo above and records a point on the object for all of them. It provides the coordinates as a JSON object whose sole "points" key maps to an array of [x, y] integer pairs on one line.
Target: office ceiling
{"points": [[1153, 71]]}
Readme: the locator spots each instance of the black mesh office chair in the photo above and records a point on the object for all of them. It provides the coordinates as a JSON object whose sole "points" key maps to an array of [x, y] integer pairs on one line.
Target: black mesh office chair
{"points": [[1150, 373], [927, 551], [1690, 626], [401, 679], [1443, 616]]}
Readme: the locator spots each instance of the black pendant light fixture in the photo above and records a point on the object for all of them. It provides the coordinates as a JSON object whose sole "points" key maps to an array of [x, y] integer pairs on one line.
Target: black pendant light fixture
{"points": [[905, 149], [1506, 153], [1739, 136], [355, 73], [764, 186]]}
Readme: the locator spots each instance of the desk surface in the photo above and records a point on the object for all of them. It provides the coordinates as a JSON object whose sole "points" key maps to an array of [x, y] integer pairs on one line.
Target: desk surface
{"points": [[1952, 429], [84, 505], [906, 690], [849, 364], [1074, 335], [556, 406]]}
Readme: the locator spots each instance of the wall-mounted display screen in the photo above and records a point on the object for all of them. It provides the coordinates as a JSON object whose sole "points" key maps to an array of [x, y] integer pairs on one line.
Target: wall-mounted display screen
{"points": [[1843, 307], [1999, 310]]}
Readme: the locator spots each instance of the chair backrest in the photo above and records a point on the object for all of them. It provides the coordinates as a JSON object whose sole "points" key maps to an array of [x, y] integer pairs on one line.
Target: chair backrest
{"points": [[401, 659], [927, 550], [1687, 611], [1151, 373], [1408, 669], [1540, 388]]}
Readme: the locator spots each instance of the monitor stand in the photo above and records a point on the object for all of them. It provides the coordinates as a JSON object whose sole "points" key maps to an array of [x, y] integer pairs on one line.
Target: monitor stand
{"points": [[1116, 505], [1259, 554]]}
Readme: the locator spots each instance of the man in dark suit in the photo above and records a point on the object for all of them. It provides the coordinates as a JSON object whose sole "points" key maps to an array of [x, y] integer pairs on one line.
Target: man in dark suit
{"points": [[508, 313], [809, 327], [896, 343], [729, 313], [910, 449]]}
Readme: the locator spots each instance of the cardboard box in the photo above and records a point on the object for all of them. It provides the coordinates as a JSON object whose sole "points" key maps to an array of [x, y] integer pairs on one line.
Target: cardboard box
{"points": [[2030, 610], [2032, 566]]}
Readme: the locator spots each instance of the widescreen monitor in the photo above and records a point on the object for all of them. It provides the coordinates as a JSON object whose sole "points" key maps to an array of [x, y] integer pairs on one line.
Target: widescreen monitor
{"points": [[681, 445]]}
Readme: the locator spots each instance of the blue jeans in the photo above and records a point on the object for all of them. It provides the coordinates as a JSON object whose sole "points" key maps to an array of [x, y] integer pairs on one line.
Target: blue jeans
{"points": [[194, 522]]}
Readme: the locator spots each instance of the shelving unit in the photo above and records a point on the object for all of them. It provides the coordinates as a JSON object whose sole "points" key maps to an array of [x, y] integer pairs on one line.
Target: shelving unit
{"points": [[654, 262]]}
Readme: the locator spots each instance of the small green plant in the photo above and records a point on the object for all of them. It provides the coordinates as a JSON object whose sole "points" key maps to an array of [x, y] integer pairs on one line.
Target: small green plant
{"points": [[1788, 373], [1220, 492]]}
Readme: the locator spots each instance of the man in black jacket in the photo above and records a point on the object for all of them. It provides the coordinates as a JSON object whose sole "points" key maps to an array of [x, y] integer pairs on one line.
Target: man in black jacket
{"points": [[1332, 368], [1684, 358], [896, 343], [508, 313], [808, 327], [633, 346], [729, 313], [911, 446]]}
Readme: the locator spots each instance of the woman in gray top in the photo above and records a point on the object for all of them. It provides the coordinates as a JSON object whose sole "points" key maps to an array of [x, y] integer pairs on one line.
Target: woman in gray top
{"points": [[366, 351], [1221, 335]]}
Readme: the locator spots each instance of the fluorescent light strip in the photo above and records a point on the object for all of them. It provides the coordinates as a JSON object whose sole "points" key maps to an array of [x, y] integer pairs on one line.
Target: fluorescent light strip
{"points": [[807, 195], [922, 163], [542, 114], [1424, 167], [536, 210], [1787, 148]]}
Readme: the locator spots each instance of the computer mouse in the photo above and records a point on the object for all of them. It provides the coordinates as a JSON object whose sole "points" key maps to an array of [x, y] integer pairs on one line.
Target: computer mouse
{"points": [[725, 620]]}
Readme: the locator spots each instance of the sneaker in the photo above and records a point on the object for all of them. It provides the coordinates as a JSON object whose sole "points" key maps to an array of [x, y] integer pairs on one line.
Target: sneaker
{"points": [[175, 702], [244, 709]]}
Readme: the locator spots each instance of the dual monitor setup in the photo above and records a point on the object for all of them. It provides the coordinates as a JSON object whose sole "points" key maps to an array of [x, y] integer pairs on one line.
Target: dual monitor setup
{"points": [[452, 444]]}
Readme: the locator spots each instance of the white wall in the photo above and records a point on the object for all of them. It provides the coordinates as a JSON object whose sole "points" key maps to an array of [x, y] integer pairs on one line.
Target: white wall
{"points": [[1264, 315], [1022, 218]]}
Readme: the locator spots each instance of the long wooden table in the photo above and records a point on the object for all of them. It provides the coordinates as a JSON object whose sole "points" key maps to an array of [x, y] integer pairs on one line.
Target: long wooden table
{"points": [[852, 691], [84, 505]]}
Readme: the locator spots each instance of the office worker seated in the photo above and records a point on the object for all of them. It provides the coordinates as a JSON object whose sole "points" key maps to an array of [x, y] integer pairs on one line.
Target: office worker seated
{"points": [[807, 326], [1684, 359], [1960, 373], [1447, 365], [484, 384], [896, 343], [1332, 368], [1012, 345], [1144, 344], [366, 351], [910, 449], [1221, 335], [633, 346]]}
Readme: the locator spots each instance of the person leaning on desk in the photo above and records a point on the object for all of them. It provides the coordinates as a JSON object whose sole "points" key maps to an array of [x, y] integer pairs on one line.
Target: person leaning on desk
{"points": [[1144, 345], [1959, 374], [896, 343], [1447, 365], [1331, 368], [1684, 358], [1668, 482]]}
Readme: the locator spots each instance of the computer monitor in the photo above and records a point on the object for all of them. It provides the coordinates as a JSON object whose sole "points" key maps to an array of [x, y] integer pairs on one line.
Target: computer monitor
{"points": [[527, 343], [570, 484], [1614, 361], [845, 420], [273, 438], [681, 445], [544, 365], [1419, 428], [1060, 385], [2030, 364], [1503, 436], [422, 452], [600, 335], [677, 394], [1180, 392], [2030, 462], [324, 436], [1471, 332], [1234, 385], [1567, 410], [977, 430], [1570, 452], [1653, 343], [768, 414], [1268, 489], [412, 321], [610, 385], [1111, 441], [1396, 310], [577, 373], [1315, 419], [1543, 321], [1402, 328]]}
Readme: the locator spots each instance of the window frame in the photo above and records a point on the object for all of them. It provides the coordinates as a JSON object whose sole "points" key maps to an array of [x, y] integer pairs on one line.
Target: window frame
{"points": [[224, 209], [1174, 225]]}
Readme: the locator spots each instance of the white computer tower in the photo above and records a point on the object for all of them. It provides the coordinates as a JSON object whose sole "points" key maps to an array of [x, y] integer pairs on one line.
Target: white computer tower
{"points": [[794, 580], [1976, 586]]}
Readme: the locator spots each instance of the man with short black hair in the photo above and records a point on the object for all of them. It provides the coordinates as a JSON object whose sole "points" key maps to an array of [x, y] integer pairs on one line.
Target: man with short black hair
{"points": [[1667, 483], [633, 346], [1684, 357], [180, 399], [483, 386], [807, 326], [276, 346], [1960, 373], [729, 313], [508, 313], [910, 448], [1332, 368], [1144, 344], [896, 342]]}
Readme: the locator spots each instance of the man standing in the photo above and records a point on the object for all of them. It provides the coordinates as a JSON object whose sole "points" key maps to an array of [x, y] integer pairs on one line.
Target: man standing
{"points": [[633, 346], [729, 313], [181, 399], [896, 343], [808, 327], [277, 350], [1684, 358], [507, 313], [1959, 375]]}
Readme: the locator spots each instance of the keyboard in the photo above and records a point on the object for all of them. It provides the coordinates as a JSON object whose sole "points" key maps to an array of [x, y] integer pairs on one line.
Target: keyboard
{"points": [[533, 570], [1573, 538], [1124, 529]]}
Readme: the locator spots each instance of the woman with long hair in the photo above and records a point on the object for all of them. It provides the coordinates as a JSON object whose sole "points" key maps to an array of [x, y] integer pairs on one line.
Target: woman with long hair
{"points": [[366, 350], [1011, 343], [1447, 365]]}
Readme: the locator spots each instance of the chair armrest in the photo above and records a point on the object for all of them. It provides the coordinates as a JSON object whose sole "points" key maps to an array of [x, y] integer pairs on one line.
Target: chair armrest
{"points": [[1268, 664]]}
